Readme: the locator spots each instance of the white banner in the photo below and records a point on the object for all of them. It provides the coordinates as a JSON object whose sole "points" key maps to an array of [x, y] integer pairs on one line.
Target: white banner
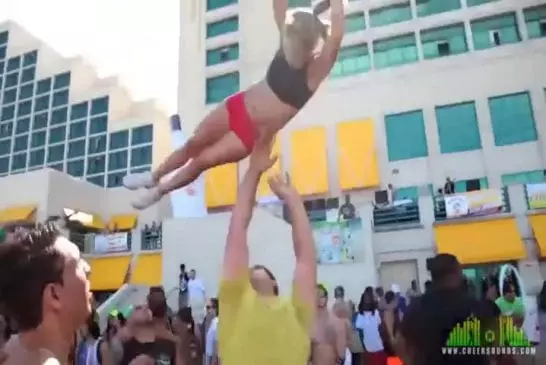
{"points": [[474, 203], [113, 242]]}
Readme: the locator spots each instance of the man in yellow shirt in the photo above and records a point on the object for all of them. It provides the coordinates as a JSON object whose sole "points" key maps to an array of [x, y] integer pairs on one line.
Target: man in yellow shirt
{"points": [[255, 325]]}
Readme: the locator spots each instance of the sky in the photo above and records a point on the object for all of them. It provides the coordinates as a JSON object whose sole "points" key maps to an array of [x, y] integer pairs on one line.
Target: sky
{"points": [[136, 40]]}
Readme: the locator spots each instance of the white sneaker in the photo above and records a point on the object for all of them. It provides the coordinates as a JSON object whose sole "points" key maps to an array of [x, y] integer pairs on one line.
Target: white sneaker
{"points": [[147, 199], [140, 180]]}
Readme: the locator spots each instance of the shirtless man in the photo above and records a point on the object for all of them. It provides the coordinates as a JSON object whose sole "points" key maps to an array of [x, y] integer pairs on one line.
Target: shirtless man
{"points": [[342, 310], [44, 288], [329, 340]]}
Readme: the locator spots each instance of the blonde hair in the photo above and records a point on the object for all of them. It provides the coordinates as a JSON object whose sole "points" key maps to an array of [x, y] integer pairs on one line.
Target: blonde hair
{"points": [[301, 34]]}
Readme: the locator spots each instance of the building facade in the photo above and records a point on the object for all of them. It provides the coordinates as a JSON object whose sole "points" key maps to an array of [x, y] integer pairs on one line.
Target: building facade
{"points": [[422, 90]]}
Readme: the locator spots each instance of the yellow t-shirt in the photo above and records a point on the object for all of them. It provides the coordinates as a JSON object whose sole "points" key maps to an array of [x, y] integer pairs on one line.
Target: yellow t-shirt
{"points": [[254, 331]]}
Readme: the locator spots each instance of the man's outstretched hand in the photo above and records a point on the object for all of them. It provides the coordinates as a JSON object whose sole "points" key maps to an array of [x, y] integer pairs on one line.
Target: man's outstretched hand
{"points": [[281, 187]]}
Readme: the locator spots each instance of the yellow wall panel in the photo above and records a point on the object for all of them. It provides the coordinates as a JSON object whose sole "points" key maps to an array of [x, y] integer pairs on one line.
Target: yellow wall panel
{"points": [[263, 187], [309, 166], [108, 273], [221, 185], [357, 157], [147, 270], [538, 223]]}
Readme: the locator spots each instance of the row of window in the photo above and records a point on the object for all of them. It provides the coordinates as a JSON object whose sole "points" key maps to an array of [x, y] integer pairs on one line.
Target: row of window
{"points": [[512, 121]]}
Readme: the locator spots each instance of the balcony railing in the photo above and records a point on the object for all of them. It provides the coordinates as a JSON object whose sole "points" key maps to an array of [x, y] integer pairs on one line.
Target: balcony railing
{"points": [[151, 238], [487, 204], [535, 196], [400, 213]]}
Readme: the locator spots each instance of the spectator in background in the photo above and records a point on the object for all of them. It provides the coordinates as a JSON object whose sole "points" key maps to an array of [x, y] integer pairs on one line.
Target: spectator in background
{"points": [[88, 349], [380, 298], [183, 287], [390, 194], [413, 291], [428, 286], [196, 296], [402, 303], [511, 305], [449, 186], [210, 331], [347, 211]]}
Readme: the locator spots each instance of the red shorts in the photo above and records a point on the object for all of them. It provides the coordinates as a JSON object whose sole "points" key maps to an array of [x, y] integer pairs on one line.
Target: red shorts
{"points": [[239, 120]]}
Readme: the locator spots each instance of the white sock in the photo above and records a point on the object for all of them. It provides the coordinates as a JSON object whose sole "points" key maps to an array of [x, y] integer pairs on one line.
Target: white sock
{"points": [[147, 199], [140, 180]]}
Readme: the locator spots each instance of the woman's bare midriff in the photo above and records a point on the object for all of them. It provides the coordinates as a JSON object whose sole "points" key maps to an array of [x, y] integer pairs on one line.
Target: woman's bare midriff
{"points": [[267, 111]]}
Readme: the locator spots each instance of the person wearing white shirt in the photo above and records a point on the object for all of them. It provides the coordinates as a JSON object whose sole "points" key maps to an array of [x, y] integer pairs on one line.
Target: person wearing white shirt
{"points": [[368, 321], [197, 297], [211, 343]]}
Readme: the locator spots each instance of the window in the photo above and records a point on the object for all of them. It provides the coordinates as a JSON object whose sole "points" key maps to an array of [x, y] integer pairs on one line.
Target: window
{"points": [[406, 137], [462, 186], [535, 21], [22, 126], [96, 180], [224, 26], [220, 87], [59, 116], [43, 86], [14, 64], [55, 153], [143, 134], [431, 7], [40, 121], [28, 74], [37, 158], [352, 60], [60, 98], [11, 79], [478, 2], [99, 106], [96, 164], [115, 179], [75, 168], [407, 192], [4, 164], [512, 119], [118, 160], [222, 54], [26, 91], [444, 41], [5, 147], [19, 161], [98, 124], [522, 178], [56, 166], [395, 51], [8, 112], [4, 36], [390, 14], [458, 127], [38, 139], [76, 148], [97, 144], [6, 129], [355, 22], [78, 129], [492, 32], [79, 111], [3, 52], [41, 103], [299, 4], [24, 108], [61, 80], [57, 135], [215, 4], [141, 156], [21, 143], [119, 139], [10, 96], [30, 58], [2, 63]]}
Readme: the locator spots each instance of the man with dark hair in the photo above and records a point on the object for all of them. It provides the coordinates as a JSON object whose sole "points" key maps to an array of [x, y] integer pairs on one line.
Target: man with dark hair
{"points": [[431, 317], [183, 287], [44, 288]]}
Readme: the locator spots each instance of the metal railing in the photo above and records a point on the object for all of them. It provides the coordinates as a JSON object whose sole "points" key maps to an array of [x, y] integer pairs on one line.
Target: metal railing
{"points": [[407, 213], [440, 212], [151, 238]]}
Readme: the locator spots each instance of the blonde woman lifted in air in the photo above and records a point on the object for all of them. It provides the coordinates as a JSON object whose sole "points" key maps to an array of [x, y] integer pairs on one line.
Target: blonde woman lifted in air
{"points": [[230, 132]]}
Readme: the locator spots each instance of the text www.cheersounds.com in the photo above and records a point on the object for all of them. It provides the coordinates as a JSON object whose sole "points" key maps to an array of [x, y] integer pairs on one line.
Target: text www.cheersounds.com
{"points": [[461, 351]]}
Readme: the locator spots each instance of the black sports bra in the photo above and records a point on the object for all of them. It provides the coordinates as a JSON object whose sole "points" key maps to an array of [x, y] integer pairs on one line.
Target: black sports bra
{"points": [[289, 84]]}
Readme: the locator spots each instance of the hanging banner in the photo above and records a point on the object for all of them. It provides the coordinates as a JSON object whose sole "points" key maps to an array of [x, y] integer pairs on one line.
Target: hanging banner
{"points": [[113, 242], [336, 241], [536, 196], [474, 203]]}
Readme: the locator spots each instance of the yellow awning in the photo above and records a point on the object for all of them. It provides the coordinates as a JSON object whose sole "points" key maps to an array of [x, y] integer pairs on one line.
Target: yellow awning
{"points": [[148, 270], [221, 185], [95, 223], [356, 155], [263, 186], [482, 241], [123, 222], [309, 167], [108, 273], [19, 213], [538, 224]]}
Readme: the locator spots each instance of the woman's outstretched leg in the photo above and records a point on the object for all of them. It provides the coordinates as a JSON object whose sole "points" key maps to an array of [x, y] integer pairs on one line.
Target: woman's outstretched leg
{"points": [[211, 129], [228, 149]]}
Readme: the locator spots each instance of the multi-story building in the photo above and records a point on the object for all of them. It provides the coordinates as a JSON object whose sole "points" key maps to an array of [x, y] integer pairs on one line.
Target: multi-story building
{"points": [[422, 90]]}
